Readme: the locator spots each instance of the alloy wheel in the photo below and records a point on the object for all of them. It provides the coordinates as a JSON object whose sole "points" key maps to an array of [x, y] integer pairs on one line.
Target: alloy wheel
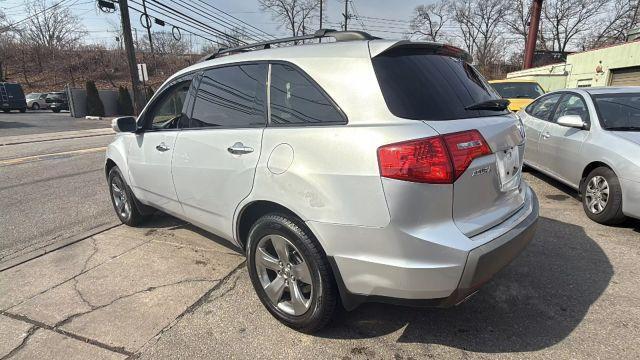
{"points": [[120, 198], [284, 274], [597, 194]]}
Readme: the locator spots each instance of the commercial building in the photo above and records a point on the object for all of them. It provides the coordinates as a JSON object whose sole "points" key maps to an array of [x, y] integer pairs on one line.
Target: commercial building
{"points": [[617, 65]]}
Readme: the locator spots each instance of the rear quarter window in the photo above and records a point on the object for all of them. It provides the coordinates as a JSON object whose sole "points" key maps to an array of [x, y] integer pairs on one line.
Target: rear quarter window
{"points": [[417, 84]]}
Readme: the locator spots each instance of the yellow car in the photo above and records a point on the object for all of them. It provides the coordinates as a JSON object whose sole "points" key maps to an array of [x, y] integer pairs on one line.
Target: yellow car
{"points": [[520, 93]]}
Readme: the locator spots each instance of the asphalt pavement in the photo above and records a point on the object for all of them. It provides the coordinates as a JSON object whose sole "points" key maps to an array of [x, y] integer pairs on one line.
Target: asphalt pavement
{"points": [[50, 190], [44, 121]]}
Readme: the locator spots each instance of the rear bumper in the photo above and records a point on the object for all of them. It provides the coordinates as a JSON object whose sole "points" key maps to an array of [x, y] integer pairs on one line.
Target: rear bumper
{"points": [[456, 271]]}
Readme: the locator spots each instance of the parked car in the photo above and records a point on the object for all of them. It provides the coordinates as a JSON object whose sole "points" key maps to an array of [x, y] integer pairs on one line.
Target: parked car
{"points": [[57, 101], [350, 171], [589, 139], [37, 101], [12, 97], [520, 93]]}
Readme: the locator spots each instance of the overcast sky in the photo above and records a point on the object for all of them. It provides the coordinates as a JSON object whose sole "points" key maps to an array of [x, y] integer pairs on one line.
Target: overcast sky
{"points": [[100, 26]]}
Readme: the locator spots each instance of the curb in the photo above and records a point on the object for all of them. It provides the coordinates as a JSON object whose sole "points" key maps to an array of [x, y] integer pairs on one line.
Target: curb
{"points": [[21, 259]]}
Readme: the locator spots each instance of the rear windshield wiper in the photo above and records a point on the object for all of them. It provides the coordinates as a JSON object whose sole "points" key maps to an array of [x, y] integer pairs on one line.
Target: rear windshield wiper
{"points": [[493, 105]]}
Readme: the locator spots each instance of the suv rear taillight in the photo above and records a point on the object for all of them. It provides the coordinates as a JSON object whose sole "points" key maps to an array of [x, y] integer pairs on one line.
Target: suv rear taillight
{"points": [[436, 160]]}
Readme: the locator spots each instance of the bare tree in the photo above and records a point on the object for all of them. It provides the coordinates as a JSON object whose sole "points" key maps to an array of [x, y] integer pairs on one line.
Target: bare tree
{"points": [[620, 17], [51, 27], [165, 44], [480, 23], [429, 20], [294, 15], [565, 20]]}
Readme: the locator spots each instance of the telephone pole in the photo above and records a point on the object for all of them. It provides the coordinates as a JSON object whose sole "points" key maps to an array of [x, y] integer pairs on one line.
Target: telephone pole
{"points": [[131, 56], [532, 36], [346, 14]]}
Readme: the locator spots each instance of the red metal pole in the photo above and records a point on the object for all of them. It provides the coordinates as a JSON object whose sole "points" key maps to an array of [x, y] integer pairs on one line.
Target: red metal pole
{"points": [[532, 36]]}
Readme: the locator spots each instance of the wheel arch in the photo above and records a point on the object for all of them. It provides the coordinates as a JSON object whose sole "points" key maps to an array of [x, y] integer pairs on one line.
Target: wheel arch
{"points": [[590, 167], [252, 211]]}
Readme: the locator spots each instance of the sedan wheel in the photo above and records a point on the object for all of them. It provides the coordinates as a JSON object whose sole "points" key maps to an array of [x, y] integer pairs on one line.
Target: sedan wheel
{"points": [[597, 194], [284, 274], [602, 196], [35, 106]]}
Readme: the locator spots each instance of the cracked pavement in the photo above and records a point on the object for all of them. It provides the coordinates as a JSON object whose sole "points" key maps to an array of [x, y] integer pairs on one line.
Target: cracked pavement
{"points": [[170, 291]]}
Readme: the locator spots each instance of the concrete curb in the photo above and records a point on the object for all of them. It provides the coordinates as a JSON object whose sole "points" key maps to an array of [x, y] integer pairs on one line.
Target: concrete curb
{"points": [[21, 259]]}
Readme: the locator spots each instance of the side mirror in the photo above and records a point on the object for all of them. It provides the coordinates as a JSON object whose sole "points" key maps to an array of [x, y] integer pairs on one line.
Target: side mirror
{"points": [[124, 124], [573, 121]]}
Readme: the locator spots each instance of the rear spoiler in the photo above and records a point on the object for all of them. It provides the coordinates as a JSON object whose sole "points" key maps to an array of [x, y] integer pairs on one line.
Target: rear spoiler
{"points": [[377, 48]]}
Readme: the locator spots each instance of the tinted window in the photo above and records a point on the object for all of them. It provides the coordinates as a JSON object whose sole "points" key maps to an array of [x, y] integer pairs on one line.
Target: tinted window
{"points": [[619, 111], [543, 107], [296, 100], [418, 84], [571, 104], [169, 109], [232, 96], [523, 90]]}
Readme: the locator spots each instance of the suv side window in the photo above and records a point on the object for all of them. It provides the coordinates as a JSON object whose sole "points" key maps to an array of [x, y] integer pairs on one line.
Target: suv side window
{"points": [[231, 96], [572, 104], [544, 106], [296, 100], [166, 113]]}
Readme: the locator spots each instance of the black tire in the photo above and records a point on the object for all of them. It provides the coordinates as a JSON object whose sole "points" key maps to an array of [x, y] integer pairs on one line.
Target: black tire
{"points": [[23, 110], [133, 216], [612, 212], [324, 297], [56, 110], [6, 110], [35, 106]]}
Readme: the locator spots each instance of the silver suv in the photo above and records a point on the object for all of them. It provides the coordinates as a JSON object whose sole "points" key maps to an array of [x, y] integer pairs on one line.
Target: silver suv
{"points": [[348, 171]]}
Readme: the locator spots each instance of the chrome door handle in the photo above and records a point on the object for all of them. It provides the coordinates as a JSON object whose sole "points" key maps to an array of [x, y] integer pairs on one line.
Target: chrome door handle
{"points": [[162, 147], [546, 135], [239, 149]]}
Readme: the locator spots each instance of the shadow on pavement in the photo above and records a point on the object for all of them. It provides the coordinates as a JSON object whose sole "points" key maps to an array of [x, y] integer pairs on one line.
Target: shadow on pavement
{"points": [[13, 125], [532, 304], [161, 220]]}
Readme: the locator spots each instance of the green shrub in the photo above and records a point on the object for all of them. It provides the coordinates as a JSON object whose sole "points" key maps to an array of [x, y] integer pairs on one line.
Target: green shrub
{"points": [[94, 104], [125, 106]]}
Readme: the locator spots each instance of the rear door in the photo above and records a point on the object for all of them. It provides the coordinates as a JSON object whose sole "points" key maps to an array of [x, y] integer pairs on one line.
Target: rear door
{"points": [[217, 153], [421, 84], [535, 121], [561, 146]]}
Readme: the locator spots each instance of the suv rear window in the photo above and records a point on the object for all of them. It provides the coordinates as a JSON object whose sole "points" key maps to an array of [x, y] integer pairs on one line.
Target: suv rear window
{"points": [[418, 84]]}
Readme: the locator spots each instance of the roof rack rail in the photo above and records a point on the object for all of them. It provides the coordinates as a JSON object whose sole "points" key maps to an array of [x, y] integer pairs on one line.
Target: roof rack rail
{"points": [[337, 35]]}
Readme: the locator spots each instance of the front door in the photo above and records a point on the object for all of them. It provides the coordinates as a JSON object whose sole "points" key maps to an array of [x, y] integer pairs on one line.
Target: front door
{"points": [[151, 151], [560, 146], [216, 155]]}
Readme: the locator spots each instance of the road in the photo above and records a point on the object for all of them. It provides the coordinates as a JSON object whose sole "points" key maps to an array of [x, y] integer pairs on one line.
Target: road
{"points": [[37, 122], [50, 191]]}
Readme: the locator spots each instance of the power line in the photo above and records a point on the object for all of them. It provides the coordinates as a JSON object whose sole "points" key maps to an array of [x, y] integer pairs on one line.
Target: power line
{"points": [[33, 15], [215, 19], [179, 13], [181, 26], [233, 17]]}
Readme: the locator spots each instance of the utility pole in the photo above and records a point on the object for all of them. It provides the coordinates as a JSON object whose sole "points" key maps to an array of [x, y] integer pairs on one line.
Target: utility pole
{"points": [[131, 56], [346, 14], [532, 35], [148, 26], [321, 2]]}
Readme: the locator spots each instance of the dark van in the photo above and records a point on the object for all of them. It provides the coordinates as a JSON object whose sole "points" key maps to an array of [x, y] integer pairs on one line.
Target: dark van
{"points": [[12, 97]]}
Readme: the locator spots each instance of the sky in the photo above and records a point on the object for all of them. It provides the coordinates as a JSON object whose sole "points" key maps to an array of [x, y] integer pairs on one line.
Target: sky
{"points": [[384, 18]]}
